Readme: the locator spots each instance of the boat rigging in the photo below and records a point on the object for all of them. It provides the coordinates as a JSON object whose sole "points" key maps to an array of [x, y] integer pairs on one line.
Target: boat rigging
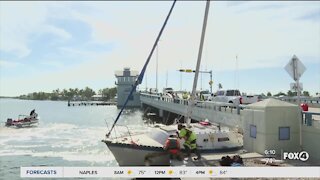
{"points": [[140, 77]]}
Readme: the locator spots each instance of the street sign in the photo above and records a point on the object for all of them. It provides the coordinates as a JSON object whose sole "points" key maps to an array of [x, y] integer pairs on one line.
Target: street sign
{"points": [[294, 87], [295, 68]]}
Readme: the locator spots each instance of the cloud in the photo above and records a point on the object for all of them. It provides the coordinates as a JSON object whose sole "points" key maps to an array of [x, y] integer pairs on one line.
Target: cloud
{"points": [[262, 34], [9, 64], [102, 32], [56, 31], [55, 64], [313, 16], [265, 34], [21, 20]]}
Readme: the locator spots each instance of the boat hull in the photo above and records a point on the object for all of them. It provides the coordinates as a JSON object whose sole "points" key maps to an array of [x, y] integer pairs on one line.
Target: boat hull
{"points": [[28, 122], [137, 155]]}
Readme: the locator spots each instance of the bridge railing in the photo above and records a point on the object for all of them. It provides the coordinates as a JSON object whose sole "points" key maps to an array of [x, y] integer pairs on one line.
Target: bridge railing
{"points": [[309, 100], [216, 106], [309, 119]]}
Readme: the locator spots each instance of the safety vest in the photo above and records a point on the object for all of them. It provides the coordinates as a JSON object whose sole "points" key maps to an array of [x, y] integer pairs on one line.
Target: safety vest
{"points": [[190, 138], [185, 96], [172, 145], [201, 97]]}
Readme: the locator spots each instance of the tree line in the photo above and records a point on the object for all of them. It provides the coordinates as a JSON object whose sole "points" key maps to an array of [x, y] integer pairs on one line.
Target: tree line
{"points": [[289, 93], [72, 94]]}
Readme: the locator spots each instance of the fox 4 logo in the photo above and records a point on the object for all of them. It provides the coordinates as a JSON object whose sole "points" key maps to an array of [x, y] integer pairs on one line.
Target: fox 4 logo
{"points": [[302, 156]]}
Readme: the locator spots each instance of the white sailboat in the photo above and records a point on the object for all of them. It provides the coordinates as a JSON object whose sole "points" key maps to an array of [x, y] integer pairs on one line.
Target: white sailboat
{"points": [[147, 148]]}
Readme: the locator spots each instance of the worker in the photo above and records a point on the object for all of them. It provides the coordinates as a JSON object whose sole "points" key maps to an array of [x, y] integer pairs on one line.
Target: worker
{"points": [[172, 146], [32, 112], [190, 143], [201, 97], [185, 95]]}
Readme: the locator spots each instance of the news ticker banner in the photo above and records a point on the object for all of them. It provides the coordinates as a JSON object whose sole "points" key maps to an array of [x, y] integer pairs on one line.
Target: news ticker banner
{"points": [[164, 172]]}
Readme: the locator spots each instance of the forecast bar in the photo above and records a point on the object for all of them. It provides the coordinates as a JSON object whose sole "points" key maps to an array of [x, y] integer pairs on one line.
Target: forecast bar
{"points": [[167, 172]]}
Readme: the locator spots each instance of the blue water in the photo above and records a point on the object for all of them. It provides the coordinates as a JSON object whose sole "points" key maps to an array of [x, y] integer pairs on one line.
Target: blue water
{"points": [[66, 136]]}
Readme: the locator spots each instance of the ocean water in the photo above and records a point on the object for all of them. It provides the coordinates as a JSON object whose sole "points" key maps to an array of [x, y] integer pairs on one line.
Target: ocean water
{"points": [[66, 136]]}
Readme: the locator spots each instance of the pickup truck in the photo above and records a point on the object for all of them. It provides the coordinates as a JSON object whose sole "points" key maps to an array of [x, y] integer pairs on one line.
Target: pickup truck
{"points": [[233, 96], [206, 95], [249, 99]]}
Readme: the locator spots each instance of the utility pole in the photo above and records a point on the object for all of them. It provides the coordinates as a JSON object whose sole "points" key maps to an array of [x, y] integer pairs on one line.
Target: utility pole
{"points": [[295, 68], [211, 82], [236, 74], [167, 79], [180, 77]]}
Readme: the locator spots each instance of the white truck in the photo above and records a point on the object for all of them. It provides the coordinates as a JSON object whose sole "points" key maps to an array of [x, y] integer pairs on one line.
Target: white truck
{"points": [[206, 95], [233, 96]]}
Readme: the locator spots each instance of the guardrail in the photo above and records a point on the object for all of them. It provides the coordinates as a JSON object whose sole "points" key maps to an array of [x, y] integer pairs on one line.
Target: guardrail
{"points": [[216, 106], [308, 119], [309, 100]]}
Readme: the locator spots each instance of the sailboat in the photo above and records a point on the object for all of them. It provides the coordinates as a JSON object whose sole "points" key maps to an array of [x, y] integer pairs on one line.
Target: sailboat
{"points": [[146, 148]]}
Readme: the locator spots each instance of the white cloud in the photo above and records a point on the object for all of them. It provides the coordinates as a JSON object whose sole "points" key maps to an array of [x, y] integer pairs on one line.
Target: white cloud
{"points": [[19, 21], [56, 31], [55, 64], [261, 38], [9, 64]]}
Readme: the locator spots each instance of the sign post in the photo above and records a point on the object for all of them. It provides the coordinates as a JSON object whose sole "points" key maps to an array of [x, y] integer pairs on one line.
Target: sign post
{"points": [[295, 69]]}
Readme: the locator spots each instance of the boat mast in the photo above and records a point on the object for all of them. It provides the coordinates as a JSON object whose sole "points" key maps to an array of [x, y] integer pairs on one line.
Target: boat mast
{"points": [[195, 81], [140, 77]]}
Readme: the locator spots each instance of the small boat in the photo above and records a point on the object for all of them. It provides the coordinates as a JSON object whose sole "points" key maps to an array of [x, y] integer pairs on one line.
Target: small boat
{"points": [[147, 148], [24, 121]]}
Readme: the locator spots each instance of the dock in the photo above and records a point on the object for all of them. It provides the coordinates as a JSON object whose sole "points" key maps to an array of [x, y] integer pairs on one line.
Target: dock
{"points": [[92, 103]]}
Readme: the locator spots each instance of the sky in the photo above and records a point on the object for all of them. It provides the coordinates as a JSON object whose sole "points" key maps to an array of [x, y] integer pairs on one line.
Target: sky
{"points": [[49, 45]]}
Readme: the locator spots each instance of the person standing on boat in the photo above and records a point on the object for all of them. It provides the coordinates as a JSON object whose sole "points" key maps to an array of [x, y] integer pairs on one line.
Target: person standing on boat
{"points": [[32, 112], [190, 138]]}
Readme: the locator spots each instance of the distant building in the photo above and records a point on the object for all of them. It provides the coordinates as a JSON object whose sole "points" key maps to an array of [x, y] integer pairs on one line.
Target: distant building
{"points": [[125, 80], [97, 97]]}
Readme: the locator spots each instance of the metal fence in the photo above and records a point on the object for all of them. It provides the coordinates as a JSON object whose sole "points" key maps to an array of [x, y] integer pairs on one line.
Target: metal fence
{"points": [[311, 119]]}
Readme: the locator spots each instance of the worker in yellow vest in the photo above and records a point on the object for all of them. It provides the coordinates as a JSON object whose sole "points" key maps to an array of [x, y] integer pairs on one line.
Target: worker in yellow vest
{"points": [[201, 97], [185, 95], [190, 138]]}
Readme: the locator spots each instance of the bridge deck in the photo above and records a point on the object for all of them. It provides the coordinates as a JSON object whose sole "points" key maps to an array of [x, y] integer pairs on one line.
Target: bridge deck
{"points": [[220, 113]]}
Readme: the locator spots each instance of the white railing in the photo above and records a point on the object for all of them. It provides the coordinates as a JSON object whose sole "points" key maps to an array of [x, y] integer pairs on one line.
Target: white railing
{"points": [[216, 106], [308, 119], [309, 100]]}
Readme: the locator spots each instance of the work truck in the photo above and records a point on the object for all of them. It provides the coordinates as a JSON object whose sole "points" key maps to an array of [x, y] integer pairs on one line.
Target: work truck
{"points": [[233, 96]]}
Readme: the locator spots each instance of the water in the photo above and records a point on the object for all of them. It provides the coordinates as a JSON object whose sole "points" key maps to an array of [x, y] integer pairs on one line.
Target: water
{"points": [[66, 136]]}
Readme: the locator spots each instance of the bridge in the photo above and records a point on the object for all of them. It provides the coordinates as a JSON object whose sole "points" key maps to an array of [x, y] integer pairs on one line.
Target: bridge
{"points": [[311, 101], [269, 124], [225, 114]]}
